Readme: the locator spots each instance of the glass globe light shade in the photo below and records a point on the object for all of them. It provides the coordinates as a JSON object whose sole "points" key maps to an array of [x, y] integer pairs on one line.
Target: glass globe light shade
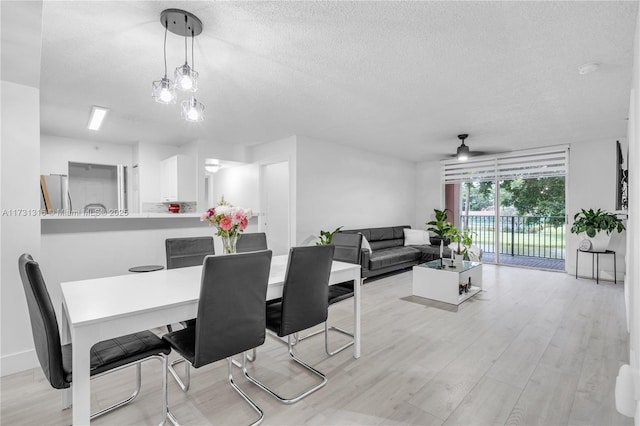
{"points": [[163, 91], [186, 78], [192, 110]]}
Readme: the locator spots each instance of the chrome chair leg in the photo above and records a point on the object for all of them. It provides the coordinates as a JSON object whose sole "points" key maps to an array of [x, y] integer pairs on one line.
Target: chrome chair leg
{"points": [[124, 401], [299, 362], [246, 397], [253, 405], [251, 358], [187, 374], [136, 392], [326, 338]]}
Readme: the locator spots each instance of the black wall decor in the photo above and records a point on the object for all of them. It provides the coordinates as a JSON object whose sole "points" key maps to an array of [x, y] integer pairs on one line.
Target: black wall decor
{"points": [[621, 180]]}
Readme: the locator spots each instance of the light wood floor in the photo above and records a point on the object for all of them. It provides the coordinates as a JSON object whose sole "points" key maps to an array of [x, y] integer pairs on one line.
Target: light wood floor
{"points": [[534, 348]]}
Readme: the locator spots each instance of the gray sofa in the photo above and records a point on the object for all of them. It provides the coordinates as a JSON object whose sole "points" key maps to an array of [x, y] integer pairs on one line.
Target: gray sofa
{"points": [[389, 252]]}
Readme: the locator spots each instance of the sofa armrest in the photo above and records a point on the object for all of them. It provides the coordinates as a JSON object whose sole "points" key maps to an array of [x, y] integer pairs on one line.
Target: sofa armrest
{"points": [[364, 259]]}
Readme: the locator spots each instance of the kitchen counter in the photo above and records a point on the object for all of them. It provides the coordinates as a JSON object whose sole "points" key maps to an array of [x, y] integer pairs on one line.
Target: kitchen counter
{"points": [[64, 224], [119, 215]]}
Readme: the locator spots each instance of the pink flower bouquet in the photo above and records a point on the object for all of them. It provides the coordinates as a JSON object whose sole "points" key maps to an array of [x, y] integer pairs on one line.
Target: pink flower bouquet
{"points": [[230, 221]]}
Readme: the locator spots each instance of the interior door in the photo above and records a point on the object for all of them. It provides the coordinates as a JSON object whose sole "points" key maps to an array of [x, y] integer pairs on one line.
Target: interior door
{"points": [[275, 202]]}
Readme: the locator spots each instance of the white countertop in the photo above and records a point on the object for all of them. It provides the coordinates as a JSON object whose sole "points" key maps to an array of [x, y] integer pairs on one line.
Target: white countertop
{"points": [[123, 216]]}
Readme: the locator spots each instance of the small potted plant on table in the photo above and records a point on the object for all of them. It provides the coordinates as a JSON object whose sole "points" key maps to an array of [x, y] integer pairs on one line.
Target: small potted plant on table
{"points": [[464, 239]]}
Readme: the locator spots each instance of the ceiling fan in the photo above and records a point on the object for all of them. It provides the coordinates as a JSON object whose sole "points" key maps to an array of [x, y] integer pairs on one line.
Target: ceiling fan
{"points": [[463, 152]]}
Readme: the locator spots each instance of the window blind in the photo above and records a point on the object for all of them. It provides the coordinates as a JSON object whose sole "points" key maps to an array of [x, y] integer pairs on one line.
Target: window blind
{"points": [[512, 165]]}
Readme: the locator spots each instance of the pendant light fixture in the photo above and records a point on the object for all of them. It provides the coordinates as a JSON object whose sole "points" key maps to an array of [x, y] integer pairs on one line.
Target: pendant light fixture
{"points": [[185, 24], [185, 76], [163, 90], [463, 151]]}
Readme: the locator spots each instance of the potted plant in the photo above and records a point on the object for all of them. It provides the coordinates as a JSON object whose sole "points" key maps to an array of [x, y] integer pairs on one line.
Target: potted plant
{"points": [[464, 239], [326, 236], [597, 225], [440, 227]]}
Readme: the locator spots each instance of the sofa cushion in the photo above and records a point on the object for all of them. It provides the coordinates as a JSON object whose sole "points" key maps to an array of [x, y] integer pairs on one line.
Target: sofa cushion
{"points": [[415, 237], [392, 256], [383, 244]]}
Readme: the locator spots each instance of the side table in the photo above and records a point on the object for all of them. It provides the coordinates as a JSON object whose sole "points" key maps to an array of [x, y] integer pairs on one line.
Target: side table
{"points": [[597, 254]]}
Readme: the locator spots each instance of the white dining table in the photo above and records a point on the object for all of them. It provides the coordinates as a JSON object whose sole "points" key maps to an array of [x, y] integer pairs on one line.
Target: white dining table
{"points": [[103, 308]]}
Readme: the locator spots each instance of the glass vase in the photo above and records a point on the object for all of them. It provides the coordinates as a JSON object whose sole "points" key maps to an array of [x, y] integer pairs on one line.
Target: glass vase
{"points": [[229, 243]]}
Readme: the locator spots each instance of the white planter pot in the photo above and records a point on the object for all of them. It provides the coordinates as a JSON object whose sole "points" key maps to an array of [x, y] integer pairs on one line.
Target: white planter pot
{"points": [[458, 258], [600, 242]]}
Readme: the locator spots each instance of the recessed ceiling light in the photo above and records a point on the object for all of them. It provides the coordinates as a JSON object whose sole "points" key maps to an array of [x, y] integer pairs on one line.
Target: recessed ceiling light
{"points": [[588, 68], [97, 117]]}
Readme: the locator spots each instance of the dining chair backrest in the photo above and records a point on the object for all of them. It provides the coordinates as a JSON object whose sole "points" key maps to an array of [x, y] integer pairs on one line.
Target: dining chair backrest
{"points": [[306, 283], [251, 242], [231, 310], [348, 247], [183, 252], [46, 335]]}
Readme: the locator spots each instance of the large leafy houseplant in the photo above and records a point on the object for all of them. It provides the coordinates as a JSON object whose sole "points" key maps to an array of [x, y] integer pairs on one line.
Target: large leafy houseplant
{"points": [[440, 227], [591, 222]]}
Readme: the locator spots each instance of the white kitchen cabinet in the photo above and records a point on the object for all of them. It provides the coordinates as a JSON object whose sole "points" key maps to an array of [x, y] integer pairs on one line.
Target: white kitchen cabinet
{"points": [[178, 179]]}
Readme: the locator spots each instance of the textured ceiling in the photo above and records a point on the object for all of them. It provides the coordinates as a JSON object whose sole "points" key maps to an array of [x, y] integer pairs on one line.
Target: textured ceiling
{"points": [[400, 78]]}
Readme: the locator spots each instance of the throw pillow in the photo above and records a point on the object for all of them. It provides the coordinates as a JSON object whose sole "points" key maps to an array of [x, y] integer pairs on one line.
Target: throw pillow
{"points": [[415, 237], [365, 244]]}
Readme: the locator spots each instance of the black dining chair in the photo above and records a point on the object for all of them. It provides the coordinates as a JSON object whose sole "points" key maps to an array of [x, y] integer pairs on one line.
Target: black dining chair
{"points": [[191, 251], [185, 252], [348, 248], [303, 305], [182, 253], [106, 356], [230, 317], [251, 242]]}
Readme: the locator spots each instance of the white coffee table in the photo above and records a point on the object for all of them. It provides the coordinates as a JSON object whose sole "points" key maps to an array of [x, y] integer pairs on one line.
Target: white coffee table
{"points": [[432, 282]]}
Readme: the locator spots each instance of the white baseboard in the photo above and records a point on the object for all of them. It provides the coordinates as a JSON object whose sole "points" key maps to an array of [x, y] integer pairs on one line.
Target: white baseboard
{"points": [[17, 362]]}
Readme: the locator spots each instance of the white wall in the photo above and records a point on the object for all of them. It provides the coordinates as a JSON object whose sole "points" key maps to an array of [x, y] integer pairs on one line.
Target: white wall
{"points": [[591, 184], [19, 174], [239, 185], [20, 233], [429, 192], [339, 185], [632, 289], [56, 153]]}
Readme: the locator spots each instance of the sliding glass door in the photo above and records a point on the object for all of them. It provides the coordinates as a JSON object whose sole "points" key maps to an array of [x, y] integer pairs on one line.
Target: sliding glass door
{"points": [[514, 206]]}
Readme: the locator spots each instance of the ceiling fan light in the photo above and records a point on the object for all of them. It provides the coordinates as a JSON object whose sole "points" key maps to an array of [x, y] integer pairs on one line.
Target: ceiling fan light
{"points": [[186, 78], [463, 152], [163, 91], [192, 110]]}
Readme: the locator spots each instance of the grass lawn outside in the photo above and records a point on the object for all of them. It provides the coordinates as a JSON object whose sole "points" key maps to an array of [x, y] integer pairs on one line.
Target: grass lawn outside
{"points": [[547, 241]]}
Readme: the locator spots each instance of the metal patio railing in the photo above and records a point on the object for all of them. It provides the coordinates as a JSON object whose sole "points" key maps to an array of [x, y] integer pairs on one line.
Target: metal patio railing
{"points": [[533, 236]]}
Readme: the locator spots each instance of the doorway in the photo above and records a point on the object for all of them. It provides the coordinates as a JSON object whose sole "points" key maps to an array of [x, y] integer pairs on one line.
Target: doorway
{"points": [[275, 215]]}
